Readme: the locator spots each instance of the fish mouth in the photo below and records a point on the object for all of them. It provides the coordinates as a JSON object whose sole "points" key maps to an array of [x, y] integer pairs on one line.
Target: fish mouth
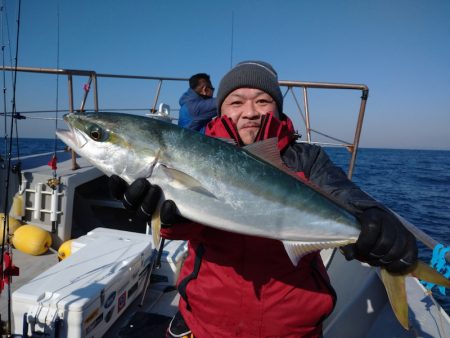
{"points": [[72, 137]]}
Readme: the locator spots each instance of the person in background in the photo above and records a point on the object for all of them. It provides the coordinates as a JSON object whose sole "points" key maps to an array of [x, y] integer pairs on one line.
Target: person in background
{"points": [[234, 285], [197, 105]]}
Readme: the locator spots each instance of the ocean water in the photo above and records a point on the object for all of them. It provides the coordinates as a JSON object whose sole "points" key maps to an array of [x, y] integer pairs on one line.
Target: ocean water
{"points": [[28, 146], [413, 183]]}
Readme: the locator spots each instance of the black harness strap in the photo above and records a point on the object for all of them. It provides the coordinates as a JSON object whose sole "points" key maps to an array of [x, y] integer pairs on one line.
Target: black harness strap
{"points": [[193, 275]]}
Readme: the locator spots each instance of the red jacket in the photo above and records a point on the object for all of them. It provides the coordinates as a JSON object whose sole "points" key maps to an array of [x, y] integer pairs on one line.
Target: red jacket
{"points": [[234, 285]]}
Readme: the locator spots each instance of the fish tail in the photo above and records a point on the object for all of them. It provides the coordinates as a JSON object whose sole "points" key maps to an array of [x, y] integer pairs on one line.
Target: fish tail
{"points": [[427, 273], [396, 289]]}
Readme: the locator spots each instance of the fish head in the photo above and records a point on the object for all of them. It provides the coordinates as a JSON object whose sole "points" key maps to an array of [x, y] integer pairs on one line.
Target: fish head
{"points": [[107, 142]]}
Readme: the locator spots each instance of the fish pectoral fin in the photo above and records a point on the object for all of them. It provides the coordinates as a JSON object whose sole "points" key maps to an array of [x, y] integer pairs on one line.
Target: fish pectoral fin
{"points": [[297, 249], [427, 273], [148, 172], [396, 291], [186, 181]]}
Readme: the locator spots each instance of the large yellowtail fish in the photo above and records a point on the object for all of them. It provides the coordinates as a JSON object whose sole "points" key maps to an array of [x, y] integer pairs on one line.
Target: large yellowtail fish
{"points": [[245, 190]]}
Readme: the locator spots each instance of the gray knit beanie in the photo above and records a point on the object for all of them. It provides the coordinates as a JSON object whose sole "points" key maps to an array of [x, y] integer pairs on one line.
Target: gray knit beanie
{"points": [[251, 74]]}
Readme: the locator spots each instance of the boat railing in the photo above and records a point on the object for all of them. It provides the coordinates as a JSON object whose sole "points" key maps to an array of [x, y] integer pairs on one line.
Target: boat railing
{"points": [[352, 147], [288, 86], [92, 82]]}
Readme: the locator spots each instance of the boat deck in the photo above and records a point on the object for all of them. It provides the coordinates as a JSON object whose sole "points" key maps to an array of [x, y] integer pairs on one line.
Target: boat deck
{"points": [[362, 309], [29, 267]]}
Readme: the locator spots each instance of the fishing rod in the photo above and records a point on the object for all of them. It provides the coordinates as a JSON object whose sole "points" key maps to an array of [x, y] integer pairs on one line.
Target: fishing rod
{"points": [[6, 255], [54, 182]]}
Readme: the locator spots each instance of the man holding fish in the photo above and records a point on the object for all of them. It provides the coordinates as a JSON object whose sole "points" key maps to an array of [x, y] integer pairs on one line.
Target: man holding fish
{"points": [[236, 284]]}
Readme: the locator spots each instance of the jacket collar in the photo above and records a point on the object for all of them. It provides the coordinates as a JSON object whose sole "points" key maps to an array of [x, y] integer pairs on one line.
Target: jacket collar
{"points": [[283, 130]]}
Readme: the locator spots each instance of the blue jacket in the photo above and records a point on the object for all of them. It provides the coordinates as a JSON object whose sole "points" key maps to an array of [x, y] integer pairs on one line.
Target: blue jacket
{"points": [[196, 111]]}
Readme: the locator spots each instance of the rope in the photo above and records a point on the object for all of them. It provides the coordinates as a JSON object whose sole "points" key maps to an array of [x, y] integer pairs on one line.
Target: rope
{"points": [[302, 115], [440, 264]]}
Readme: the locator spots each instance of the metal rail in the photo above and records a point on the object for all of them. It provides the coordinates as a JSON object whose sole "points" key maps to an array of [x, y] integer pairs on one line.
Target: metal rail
{"points": [[94, 76], [352, 147]]}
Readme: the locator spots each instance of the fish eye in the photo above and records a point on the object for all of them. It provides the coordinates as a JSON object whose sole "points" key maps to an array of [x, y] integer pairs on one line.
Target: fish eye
{"points": [[96, 133]]}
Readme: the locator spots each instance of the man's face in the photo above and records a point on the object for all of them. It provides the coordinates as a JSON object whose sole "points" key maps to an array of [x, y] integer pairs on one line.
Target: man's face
{"points": [[245, 106], [205, 89]]}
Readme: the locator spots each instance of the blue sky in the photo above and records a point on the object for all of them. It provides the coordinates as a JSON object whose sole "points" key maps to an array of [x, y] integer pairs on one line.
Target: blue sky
{"points": [[399, 49]]}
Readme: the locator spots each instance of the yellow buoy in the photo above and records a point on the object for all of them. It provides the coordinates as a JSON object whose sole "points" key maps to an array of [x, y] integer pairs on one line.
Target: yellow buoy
{"points": [[32, 240], [65, 250], [17, 209], [13, 225]]}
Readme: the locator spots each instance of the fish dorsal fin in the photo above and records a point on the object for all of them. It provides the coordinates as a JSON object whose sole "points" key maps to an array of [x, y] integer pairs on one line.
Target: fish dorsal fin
{"points": [[186, 181], [297, 249], [268, 151]]}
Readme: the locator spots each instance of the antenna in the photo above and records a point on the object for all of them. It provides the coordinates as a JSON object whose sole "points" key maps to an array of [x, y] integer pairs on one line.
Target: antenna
{"points": [[232, 39]]}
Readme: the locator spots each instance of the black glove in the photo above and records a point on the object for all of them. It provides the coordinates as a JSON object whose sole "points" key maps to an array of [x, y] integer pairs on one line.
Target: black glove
{"points": [[143, 197], [170, 214], [383, 241]]}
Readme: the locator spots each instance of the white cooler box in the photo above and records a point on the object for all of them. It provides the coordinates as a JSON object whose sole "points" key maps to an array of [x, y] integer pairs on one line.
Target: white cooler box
{"points": [[83, 295]]}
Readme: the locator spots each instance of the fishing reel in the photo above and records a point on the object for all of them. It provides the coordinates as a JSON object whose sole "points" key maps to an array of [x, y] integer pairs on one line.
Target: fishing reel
{"points": [[4, 329], [17, 169], [53, 183]]}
